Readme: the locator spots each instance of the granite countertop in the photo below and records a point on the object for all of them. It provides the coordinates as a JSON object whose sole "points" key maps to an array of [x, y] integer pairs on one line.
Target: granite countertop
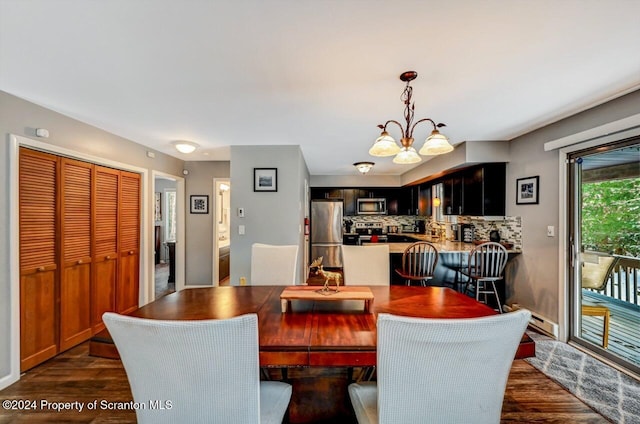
{"points": [[442, 246]]}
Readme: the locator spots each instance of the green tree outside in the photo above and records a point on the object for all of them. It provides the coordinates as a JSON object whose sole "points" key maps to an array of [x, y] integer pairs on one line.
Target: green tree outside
{"points": [[611, 216]]}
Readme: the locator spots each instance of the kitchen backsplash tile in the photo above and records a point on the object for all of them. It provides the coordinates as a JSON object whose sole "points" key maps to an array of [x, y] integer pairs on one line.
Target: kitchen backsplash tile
{"points": [[510, 227]]}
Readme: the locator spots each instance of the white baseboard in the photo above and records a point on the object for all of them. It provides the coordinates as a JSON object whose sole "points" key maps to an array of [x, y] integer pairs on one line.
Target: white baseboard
{"points": [[537, 321]]}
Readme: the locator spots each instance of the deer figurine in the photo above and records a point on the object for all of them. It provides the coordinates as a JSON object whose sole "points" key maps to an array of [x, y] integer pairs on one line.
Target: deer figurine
{"points": [[328, 275]]}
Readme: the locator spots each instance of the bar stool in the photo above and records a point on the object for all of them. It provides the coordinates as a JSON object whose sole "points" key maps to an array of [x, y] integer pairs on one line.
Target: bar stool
{"points": [[486, 266], [418, 262]]}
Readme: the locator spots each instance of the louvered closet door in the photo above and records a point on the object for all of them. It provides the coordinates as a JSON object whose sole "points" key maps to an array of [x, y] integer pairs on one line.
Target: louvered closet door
{"points": [[106, 182], [75, 282], [38, 176], [128, 281]]}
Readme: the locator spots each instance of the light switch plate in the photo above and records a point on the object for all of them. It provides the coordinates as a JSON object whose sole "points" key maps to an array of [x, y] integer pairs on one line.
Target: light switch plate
{"points": [[241, 230], [550, 231]]}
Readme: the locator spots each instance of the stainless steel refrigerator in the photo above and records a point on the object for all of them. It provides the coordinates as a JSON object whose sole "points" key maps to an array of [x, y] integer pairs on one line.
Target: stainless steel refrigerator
{"points": [[326, 232]]}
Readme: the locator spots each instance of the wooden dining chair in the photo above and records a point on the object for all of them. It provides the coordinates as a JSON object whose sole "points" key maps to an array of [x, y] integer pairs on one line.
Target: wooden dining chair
{"points": [[207, 369], [426, 366], [366, 265], [273, 265], [419, 261], [486, 265]]}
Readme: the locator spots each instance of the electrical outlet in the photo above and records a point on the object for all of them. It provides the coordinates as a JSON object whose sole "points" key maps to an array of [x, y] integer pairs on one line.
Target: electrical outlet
{"points": [[241, 212], [243, 281], [550, 231]]}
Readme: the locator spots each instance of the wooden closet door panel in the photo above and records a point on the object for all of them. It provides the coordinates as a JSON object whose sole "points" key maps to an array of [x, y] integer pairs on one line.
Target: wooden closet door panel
{"points": [[75, 283], [106, 183], [38, 215], [38, 179], [38, 323], [127, 290], [75, 312]]}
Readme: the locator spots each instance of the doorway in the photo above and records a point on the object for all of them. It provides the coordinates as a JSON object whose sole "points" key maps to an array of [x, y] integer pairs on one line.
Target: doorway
{"points": [[222, 232], [167, 259], [604, 241]]}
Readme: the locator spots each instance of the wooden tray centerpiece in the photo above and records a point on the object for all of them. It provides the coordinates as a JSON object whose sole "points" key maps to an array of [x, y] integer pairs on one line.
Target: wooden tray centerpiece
{"points": [[324, 295]]}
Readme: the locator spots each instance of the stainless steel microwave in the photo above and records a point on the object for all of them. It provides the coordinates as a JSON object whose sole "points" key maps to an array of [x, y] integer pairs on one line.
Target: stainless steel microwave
{"points": [[371, 206]]}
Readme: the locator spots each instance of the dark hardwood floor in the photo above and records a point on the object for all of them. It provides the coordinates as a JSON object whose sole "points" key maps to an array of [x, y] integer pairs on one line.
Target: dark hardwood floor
{"points": [[74, 376]]}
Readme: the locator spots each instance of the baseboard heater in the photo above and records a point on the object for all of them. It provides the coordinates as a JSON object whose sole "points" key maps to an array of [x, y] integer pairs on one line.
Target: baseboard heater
{"points": [[539, 322]]}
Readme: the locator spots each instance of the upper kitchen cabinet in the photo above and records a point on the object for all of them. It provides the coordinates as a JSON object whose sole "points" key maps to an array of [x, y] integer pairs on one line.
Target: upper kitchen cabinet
{"points": [[493, 189], [476, 191], [351, 196], [327, 193], [403, 201], [424, 199], [453, 187]]}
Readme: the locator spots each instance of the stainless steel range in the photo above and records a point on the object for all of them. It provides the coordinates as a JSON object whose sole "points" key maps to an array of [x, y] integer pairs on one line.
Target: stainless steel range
{"points": [[368, 229]]}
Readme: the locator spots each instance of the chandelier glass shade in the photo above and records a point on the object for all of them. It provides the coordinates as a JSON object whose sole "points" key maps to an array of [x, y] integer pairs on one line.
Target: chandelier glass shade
{"points": [[405, 153]]}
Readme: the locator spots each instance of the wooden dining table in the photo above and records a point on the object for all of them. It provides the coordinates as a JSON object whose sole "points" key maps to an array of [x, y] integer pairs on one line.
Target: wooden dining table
{"points": [[337, 333]]}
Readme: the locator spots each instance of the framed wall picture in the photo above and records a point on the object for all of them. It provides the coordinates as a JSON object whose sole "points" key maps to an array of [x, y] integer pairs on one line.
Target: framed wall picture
{"points": [[158, 206], [265, 179], [199, 203], [527, 190]]}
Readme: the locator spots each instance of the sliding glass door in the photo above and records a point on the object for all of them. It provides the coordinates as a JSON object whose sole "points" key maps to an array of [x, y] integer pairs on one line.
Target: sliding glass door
{"points": [[604, 240]]}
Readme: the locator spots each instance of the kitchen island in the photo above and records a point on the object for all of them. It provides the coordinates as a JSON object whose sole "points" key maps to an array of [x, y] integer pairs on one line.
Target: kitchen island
{"points": [[452, 256]]}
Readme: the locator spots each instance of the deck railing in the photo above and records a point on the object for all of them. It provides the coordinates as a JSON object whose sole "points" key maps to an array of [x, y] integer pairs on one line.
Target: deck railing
{"points": [[624, 280]]}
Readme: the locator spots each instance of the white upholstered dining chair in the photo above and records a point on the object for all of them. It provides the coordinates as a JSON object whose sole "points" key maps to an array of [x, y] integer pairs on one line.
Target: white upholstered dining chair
{"points": [[366, 265], [427, 366], [208, 370], [273, 265]]}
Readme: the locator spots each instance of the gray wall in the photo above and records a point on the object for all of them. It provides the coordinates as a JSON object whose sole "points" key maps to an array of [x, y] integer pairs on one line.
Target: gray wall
{"points": [[536, 284], [199, 227], [270, 217], [21, 117]]}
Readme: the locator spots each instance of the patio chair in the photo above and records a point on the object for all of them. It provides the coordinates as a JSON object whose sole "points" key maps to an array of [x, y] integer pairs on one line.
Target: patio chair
{"points": [[595, 275]]}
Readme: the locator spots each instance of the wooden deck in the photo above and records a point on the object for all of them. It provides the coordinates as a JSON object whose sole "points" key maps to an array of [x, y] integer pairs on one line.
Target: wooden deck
{"points": [[624, 328]]}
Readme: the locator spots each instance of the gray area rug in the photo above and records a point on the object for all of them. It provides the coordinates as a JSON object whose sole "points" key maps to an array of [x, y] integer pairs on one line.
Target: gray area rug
{"points": [[612, 393]]}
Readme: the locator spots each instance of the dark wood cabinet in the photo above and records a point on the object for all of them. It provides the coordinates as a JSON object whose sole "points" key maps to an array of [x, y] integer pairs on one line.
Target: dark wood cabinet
{"points": [[424, 200], [453, 187], [476, 191], [494, 186], [472, 192], [327, 193]]}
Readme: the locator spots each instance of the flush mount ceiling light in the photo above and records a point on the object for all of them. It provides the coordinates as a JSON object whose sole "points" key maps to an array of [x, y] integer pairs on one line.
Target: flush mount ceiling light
{"points": [[385, 145], [364, 167], [184, 146]]}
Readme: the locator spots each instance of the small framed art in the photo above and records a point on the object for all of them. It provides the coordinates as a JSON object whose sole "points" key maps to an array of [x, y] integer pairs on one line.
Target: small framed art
{"points": [[199, 203], [527, 190], [265, 179]]}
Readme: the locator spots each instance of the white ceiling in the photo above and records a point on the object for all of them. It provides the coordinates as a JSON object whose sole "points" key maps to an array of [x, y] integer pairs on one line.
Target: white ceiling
{"points": [[319, 74]]}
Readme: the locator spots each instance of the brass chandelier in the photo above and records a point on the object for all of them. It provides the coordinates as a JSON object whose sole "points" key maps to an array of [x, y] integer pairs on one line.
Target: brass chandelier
{"points": [[385, 145]]}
